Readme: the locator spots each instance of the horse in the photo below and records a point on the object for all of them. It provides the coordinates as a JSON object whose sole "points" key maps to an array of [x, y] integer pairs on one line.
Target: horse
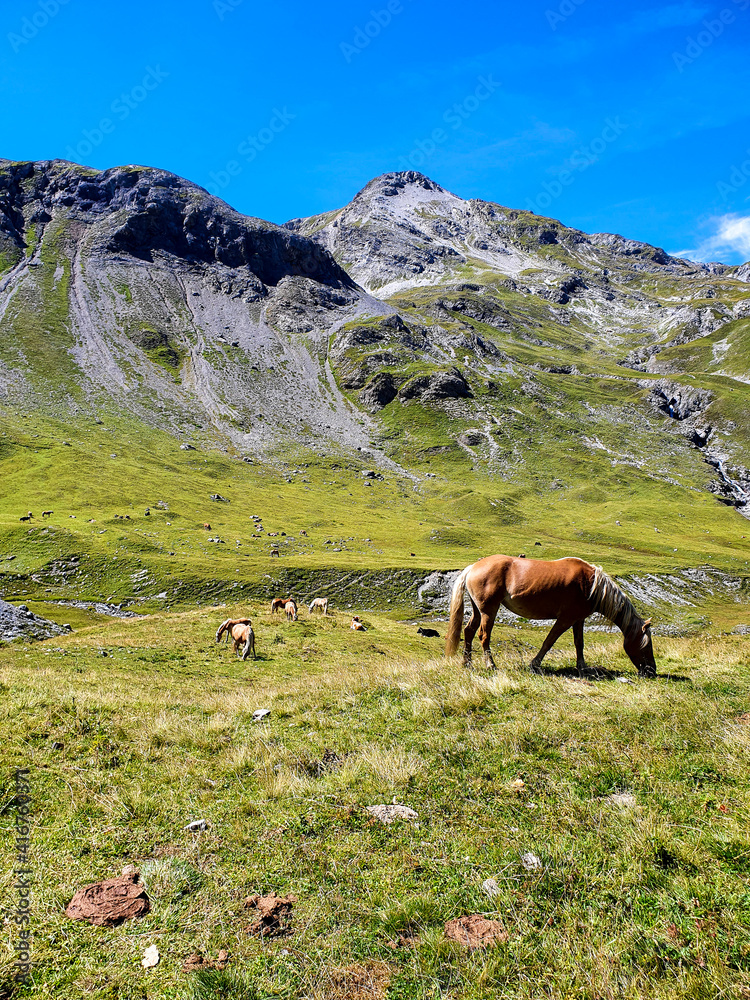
{"points": [[241, 631], [568, 590], [47, 513], [279, 603], [319, 602], [290, 610]]}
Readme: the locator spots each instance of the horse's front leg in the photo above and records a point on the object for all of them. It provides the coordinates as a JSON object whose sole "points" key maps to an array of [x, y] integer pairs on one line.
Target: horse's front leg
{"points": [[578, 639], [555, 632]]}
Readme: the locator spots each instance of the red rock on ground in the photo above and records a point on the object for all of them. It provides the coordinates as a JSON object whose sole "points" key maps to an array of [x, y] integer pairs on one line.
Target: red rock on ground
{"points": [[273, 914], [109, 903], [475, 931]]}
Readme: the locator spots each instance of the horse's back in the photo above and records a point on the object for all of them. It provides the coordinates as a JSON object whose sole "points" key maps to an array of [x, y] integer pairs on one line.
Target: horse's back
{"points": [[532, 588]]}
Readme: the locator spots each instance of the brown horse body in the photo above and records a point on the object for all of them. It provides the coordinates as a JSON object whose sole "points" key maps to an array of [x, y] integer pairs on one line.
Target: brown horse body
{"points": [[241, 631], [568, 590], [279, 603], [290, 610]]}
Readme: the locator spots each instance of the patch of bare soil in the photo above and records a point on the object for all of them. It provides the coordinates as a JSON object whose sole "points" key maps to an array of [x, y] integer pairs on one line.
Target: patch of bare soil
{"points": [[111, 902], [273, 915], [475, 931], [197, 961]]}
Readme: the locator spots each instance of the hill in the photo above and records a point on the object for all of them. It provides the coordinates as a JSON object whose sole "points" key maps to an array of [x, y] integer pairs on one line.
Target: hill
{"points": [[413, 380]]}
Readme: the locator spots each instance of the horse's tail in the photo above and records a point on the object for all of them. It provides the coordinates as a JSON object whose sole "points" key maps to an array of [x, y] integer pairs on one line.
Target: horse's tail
{"points": [[224, 627], [456, 619]]}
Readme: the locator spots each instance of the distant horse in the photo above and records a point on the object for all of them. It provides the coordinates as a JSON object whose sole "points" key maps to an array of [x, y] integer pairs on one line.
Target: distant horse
{"points": [[47, 513], [319, 602], [568, 590], [290, 610], [241, 631], [279, 603]]}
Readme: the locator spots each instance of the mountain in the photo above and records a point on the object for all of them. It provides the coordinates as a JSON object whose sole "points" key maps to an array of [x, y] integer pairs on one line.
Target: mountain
{"points": [[132, 290], [469, 375], [509, 294]]}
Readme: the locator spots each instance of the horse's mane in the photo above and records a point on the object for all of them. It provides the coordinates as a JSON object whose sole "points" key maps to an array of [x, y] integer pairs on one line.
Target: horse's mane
{"points": [[610, 601]]}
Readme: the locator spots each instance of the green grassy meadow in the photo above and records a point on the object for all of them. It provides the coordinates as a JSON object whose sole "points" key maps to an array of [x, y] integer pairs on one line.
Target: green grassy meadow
{"points": [[648, 898]]}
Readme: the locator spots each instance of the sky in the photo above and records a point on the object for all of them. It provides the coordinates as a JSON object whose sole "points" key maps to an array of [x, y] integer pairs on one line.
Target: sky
{"points": [[627, 117]]}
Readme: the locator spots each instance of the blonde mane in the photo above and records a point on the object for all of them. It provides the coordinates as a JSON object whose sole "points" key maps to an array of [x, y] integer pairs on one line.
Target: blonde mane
{"points": [[611, 603]]}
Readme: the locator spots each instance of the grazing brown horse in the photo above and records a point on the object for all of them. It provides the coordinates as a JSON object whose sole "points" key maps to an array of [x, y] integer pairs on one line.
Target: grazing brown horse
{"points": [[241, 632], [568, 590], [279, 603], [319, 602], [290, 610]]}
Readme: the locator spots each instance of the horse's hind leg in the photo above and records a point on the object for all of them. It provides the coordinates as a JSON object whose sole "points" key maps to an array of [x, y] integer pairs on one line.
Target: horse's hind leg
{"points": [[470, 630], [555, 632], [485, 632]]}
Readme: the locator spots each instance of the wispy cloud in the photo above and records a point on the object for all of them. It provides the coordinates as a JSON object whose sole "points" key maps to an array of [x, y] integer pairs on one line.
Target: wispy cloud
{"points": [[676, 15], [730, 241]]}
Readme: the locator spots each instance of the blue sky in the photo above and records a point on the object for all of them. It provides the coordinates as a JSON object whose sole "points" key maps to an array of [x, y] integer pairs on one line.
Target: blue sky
{"points": [[626, 117]]}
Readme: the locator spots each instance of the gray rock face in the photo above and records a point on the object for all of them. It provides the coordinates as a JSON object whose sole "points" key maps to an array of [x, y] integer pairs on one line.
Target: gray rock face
{"points": [[20, 623], [679, 401], [170, 306]]}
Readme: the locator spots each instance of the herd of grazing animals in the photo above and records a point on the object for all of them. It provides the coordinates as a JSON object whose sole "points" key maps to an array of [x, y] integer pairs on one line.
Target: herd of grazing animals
{"points": [[241, 632], [567, 590]]}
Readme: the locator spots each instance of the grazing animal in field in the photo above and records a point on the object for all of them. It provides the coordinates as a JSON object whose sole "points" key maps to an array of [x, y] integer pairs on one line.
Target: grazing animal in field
{"points": [[356, 625], [304, 533], [207, 526], [568, 590], [275, 552], [279, 603], [319, 602], [47, 513], [25, 517], [429, 633], [241, 631], [290, 610]]}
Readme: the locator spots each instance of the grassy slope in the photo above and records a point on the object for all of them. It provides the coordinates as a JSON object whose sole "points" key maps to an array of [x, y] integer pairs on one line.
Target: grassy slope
{"points": [[446, 522], [645, 901]]}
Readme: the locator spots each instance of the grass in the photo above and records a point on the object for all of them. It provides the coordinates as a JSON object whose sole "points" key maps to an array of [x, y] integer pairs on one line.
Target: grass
{"points": [[649, 900]]}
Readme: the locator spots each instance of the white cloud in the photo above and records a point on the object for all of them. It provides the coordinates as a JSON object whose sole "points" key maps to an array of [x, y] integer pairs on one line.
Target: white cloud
{"points": [[730, 241]]}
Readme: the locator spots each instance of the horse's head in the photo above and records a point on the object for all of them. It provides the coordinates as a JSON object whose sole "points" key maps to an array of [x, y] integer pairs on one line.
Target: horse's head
{"points": [[640, 649]]}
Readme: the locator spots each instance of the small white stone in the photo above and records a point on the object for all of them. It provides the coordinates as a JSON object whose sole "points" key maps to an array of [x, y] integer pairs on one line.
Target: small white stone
{"points": [[531, 862], [491, 888], [387, 813], [150, 957], [196, 826]]}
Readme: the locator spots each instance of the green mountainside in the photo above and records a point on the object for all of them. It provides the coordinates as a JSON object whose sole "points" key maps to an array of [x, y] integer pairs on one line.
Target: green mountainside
{"points": [[413, 381]]}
